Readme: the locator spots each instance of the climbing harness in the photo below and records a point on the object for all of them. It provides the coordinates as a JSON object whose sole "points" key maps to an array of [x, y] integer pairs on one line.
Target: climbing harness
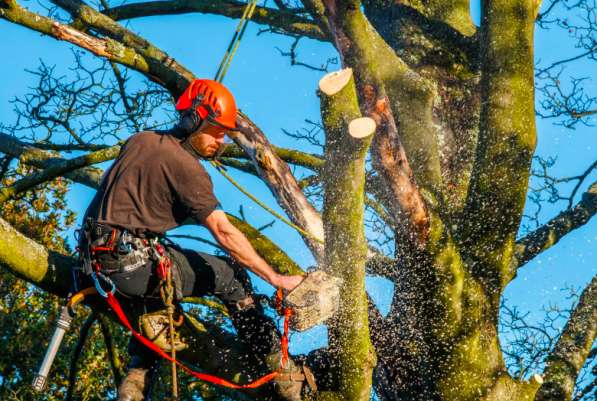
{"points": [[108, 241]]}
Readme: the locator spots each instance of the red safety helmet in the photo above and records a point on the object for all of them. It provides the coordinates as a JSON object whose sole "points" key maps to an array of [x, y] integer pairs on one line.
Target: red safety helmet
{"points": [[211, 100]]}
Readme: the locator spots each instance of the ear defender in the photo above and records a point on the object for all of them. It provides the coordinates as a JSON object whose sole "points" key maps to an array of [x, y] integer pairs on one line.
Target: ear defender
{"points": [[191, 118]]}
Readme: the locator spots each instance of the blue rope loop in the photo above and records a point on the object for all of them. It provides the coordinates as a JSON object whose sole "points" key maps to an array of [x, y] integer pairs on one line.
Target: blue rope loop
{"points": [[95, 276]]}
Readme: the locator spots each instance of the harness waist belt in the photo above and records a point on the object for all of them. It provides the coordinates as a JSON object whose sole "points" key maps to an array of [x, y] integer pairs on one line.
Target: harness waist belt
{"points": [[116, 250]]}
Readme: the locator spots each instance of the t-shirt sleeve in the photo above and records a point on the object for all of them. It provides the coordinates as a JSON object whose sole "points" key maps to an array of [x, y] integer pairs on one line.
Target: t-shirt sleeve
{"points": [[194, 189]]}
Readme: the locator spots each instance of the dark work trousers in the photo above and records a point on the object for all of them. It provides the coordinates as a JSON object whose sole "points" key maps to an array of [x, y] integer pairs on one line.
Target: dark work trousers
{"points": [[201, 274]]}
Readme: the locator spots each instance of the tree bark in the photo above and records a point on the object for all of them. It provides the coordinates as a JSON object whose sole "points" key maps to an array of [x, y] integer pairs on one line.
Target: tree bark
{"points": [[507, 138], [284, 20], [550, 234], [346, 246], [279, 179]]}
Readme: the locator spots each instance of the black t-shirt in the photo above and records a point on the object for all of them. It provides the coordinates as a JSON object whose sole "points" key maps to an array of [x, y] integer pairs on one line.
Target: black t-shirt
{"points": [[153, 186]]}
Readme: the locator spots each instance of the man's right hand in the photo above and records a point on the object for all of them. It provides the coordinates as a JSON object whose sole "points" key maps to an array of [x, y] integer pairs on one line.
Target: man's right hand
{"points": [[287, 283], [239, 247]]}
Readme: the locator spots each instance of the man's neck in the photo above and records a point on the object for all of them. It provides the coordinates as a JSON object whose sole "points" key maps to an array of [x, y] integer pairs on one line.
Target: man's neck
{"points": [[186, 144]]}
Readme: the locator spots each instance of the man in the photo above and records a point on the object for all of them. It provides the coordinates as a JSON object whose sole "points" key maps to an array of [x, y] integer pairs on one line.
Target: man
{"points": [[157, 184]]}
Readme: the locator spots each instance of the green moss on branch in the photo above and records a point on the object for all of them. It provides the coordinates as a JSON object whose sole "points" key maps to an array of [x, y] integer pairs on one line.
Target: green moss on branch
{"points": [[56, 170], [506, 143], [571, 351]]}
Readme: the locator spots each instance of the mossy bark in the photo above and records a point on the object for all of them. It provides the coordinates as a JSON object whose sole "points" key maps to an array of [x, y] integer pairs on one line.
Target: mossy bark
{"points": [[32, 262], [507, 138], [346, 246]]}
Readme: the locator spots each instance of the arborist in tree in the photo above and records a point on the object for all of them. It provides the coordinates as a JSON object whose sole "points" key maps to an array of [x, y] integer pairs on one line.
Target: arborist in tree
{"points": [[155, 185]]}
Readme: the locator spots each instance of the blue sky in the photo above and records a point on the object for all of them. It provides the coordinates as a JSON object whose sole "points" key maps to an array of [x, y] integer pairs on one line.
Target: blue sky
{"points": [[278, 96]]}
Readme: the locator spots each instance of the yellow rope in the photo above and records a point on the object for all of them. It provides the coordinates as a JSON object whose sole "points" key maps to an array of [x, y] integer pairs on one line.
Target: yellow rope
{"points": [[251, 7], [235, 41], [219, 167]]}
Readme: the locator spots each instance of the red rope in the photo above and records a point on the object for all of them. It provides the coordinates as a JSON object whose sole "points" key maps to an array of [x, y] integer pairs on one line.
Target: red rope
{"points": [[115, 305]]}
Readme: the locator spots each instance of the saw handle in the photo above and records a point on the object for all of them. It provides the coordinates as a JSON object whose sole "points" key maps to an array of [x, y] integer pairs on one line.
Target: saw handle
{"points": [[62, 326]]}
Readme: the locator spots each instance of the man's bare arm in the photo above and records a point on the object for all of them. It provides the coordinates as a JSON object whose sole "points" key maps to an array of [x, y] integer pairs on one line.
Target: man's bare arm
{"points": [[239, 247]]}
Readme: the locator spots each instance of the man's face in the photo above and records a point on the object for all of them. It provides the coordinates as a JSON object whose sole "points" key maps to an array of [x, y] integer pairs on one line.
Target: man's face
{"points": [[207, 139]]}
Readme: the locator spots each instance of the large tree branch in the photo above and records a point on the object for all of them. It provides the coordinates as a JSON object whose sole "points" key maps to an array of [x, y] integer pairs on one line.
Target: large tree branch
{"points": [[277, 175], [361, 48], [285, 20], [163, 68], [571, 351], [551, 233], [150, 62], [32, 262], [400, 194], [57, 169], [348, 137], [507, 137]]}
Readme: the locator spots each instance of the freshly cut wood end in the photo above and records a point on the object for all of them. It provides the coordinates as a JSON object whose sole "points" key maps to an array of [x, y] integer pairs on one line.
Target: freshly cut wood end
{"points": [[362, 127], [333, 82], [537, 378]]}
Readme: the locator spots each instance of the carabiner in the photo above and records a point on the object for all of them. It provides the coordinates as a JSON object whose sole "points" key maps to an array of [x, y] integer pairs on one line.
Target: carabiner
{"points": [[98, 286]]}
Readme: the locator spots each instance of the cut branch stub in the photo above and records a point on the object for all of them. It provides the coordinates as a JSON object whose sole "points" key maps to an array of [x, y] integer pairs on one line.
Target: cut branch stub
{"points": [[362, 127], [333, 82]]}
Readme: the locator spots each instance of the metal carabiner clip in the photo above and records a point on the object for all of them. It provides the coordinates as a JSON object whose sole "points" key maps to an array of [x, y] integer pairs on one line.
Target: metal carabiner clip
{"points": [[98, 286], [124, 242]]}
